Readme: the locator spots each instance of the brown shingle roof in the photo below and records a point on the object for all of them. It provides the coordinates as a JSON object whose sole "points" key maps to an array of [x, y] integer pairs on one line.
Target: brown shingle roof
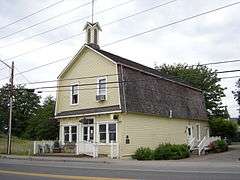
{"points": [[127, 62]]}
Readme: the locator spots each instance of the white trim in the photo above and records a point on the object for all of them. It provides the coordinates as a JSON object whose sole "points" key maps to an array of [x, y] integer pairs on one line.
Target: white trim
{"points": [[88, 125], [198, 129], [119, 97], [90, 114], [101, 54], [98, 79], [75, 58], [107, 132], [78, 91], [70, 132], [191, 127]]}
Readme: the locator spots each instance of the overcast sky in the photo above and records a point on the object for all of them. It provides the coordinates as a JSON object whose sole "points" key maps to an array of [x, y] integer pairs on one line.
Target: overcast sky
{"points": [[209, 38]]}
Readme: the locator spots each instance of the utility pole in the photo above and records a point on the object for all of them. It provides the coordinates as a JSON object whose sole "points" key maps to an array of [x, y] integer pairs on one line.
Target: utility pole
{"points": [[10, 105], [10, 111]]}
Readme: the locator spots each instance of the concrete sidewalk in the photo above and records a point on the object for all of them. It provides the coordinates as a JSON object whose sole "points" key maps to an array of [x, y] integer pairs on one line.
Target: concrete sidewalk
{"points": [[231, 156], [56, 158]]}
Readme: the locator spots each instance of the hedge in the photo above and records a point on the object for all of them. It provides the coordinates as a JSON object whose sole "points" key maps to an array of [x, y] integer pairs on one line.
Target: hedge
{"points": [[163, 152]]}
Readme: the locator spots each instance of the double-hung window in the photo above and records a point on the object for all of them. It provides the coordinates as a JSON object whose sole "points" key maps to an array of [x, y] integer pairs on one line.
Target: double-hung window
{"points": [[66, 134], [74, 94], [112, 132], [70, 134], [102, 86], [74, 133], [107, 133], [103, 133]]}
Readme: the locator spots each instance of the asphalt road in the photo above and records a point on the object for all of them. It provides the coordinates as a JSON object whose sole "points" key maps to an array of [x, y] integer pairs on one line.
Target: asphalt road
{"points": [[35, 170]]}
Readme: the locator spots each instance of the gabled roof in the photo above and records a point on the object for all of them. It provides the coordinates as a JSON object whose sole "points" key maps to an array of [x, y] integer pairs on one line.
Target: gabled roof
{"points": [[127, 62], [92, 25]]}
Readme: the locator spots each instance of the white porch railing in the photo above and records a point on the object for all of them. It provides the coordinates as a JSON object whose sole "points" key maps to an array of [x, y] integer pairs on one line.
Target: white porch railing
{"points": [[205, 142], [114, 150], [88, 148], [41, 147], [191, 143], [92, 149]]}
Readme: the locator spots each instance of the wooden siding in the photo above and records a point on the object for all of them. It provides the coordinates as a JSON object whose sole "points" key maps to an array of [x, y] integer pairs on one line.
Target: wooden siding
{"points": [[88, 64], [150, 131]]}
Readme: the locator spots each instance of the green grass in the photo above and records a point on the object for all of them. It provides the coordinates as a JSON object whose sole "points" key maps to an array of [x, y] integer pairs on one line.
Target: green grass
{"points": [[19, 146]]}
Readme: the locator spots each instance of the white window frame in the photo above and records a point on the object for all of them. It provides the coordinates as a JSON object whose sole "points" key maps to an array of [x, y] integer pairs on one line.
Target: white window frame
{"points": [[98, 79], [88, 125], [107, 132], [191, 127], [71, 85], [198, 129], [70, 133]]}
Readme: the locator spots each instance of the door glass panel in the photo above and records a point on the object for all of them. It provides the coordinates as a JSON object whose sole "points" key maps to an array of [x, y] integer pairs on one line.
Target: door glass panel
{"points": [[91, 133], [85, 133]]}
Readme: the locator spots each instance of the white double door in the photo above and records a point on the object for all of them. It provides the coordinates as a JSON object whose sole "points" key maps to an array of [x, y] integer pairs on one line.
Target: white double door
{"points": [[88, 133]]}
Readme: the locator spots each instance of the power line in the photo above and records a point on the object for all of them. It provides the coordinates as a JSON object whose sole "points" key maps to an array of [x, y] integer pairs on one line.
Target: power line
{"points": [[142, 33], [46, 20], [25, 17], [173, 23], [230, 77], [220, 62], [75, 35], [229, 71], [33, 50], [112, 22], [74, 21]]}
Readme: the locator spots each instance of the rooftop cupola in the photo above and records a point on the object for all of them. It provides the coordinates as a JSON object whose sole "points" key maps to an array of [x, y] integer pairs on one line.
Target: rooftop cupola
{"points": [[92, 34]]}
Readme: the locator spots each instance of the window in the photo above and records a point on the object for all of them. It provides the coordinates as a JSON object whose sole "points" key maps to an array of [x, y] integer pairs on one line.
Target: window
{"points": [[102, 133], [74, 133], [107, 133], [88, 129], [66, 134], [95, 36], [89, 36], [112, 132], [102, 86], [74, 94], [70, 134]]}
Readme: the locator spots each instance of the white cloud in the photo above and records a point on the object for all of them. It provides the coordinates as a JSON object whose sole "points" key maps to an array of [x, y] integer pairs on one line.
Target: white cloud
{"points": [[209, 38]]}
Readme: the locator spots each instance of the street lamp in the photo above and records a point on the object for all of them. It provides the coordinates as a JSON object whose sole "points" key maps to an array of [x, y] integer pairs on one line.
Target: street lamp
{"points": [[10, 105]]}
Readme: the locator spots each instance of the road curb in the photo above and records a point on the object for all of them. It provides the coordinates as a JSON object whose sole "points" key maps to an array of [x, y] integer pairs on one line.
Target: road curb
{"points": [[32, 158]]}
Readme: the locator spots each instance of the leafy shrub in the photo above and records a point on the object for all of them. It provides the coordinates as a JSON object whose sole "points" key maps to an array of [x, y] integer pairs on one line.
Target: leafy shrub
{"points": [[143, 154], [171, 151], [219, 146], [163, 152]]}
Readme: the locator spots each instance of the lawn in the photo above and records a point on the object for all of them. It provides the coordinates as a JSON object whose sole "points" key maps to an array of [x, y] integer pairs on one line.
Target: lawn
{"points": [[19, 146]]}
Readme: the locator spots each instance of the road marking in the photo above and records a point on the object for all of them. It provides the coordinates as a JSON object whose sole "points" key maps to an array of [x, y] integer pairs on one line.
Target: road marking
{"points": [[58, 176]]}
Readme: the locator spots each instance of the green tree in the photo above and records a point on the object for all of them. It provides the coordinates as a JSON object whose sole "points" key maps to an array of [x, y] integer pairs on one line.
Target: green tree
{"points": [[203, 78], [223, 128], [237, 97], [43, 126], [25, 104]]}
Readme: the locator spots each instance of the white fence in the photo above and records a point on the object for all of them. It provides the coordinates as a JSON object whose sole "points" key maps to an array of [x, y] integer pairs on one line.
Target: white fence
{"points": [[41, 147], [88, 148], [92, 149]]}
